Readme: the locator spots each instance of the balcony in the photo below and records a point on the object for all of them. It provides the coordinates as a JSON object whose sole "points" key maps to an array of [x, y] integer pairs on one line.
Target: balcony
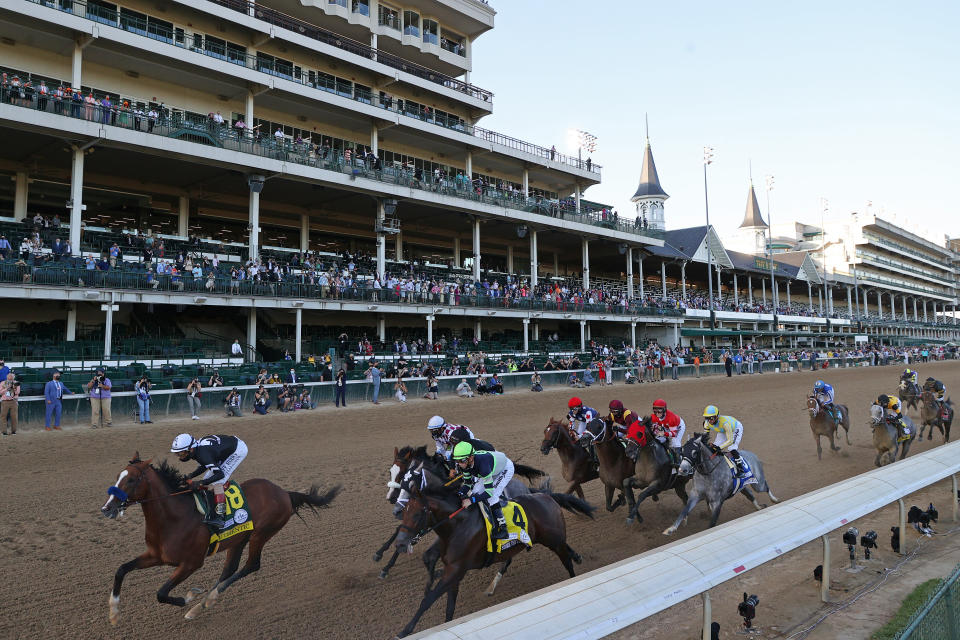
{"points": [[896, 246], [869, 257], [163, 31], [306, 154]]}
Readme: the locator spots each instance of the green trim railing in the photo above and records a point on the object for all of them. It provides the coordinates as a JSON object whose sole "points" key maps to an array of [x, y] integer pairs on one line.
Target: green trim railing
{"points": [[939, 618]]}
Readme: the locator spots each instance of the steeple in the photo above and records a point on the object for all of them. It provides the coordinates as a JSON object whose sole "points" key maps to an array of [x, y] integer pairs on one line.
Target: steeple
{"points": [[752, 217], [650, 195]]}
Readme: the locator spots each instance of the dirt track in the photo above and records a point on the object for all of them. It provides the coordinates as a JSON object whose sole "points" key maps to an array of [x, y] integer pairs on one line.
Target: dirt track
{"points": [[318, 581]]}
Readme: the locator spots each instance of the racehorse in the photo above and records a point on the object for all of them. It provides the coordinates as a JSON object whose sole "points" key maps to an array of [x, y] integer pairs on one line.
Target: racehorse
{"points": [[824, 424], [465, 538], [885, 437], [616, 469], [176, 535], [653, 471], [578, 466], [713, 481], [933, 415], [909, 394]]}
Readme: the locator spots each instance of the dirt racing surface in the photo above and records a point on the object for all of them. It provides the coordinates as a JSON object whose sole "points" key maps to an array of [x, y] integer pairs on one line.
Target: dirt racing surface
{"points": [[318, 579]]}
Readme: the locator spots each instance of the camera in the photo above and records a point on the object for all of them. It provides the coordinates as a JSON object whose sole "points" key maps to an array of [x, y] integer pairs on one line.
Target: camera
{"points": [[850, 536], [748, 609], [868, 541]]}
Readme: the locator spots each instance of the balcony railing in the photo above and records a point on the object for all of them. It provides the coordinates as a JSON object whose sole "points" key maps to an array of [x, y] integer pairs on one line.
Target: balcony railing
{"points": [[896, 265], [903, 248], [295, 73], [309, 155]]}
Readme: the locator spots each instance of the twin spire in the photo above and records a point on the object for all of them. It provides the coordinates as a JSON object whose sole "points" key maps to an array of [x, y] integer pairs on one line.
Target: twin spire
{"points": [[752, 217], [649, 180]]}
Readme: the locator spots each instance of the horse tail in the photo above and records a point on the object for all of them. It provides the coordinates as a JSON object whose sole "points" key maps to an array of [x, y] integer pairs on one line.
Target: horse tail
{"points": [[573, 504], [546, 486], [314, 499], [527, 472]]}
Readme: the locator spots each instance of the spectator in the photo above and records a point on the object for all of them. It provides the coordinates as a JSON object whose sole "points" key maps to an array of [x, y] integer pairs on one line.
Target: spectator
{"points": [[261, 401], [728, 363], [628, 376], [433, 388], [495, 387], [5, 248], [99, 390], [9, 403], [373, 373], [232, 403], [236, 350], [292, 377], [215, 380], [400, 389], [262, 377], [674, 367], [481, 385], [587, 377], [193, 398], [285, 398], [463, 389], [142, 388], [536, 384], [305, 401], [53, 393], [696, 365], [4, 370], [340, 388]]}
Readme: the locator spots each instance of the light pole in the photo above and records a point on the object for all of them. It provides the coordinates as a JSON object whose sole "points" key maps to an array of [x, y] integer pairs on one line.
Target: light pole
{"points": [[586, 141], [824, 208], [708, 159], [773, 282]]}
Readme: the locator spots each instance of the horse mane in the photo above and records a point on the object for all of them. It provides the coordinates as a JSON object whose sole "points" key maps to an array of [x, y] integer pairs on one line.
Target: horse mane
{"points": [[174, 480]]}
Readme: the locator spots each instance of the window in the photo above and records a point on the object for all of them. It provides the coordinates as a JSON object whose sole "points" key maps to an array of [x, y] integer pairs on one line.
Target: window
{"points": [[431, 31], [102, 12], [160, 30], [133, 21], [362, 93], [340, 3], [411, 24], [236, 54], [454, 43], [215, 47], [274, 66], [389, 17], [361, 7]]}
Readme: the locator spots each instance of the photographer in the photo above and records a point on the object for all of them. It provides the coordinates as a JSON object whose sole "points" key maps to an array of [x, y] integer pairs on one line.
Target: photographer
{"points": [[215, 380], [232, 403], [142, 387], [99, 390], [261, 401], [193, 398], [9, 403]]}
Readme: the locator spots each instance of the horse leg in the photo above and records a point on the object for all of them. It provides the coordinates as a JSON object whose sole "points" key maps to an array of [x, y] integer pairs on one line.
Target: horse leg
{"points": [[143, 561], [451, 602], [627, 488], [566, 555], [378, 556], [253, 564], [392, 561], [181, 573], [752, 498], [497, 578], [687, 508], [430, 558], [608, 495], [651, 488], [714, 513], [833, 446], [816, 438], [453, 576]]}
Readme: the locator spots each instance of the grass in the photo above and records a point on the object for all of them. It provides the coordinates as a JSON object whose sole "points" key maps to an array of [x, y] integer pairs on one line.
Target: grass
{"points": [[910, 605]]}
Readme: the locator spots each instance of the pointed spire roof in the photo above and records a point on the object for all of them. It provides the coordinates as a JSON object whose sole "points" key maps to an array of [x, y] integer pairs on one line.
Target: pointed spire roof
{"points": [[649, 180], [752, 217]]}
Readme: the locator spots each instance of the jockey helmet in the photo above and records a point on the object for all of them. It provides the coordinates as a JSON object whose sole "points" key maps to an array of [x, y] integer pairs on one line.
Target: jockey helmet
{"points": [[883, 400], [930, 379], [616, 406], [462, 451], [659, 403], [182, 442], [574, 403], [436, 422], [938, 386], [907, 372], [711, 412], [819, 385]]}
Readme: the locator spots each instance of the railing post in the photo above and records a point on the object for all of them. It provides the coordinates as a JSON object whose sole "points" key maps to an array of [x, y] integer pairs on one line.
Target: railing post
{"points": [[825, 582], [903, 527], [707, 615], [953, 495]]}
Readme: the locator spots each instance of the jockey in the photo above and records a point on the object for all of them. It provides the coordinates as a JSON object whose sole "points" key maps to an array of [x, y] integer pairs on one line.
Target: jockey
{"points": [[623, 420], [937, 388], [218, 457], [668, 427], [729, 431], [908, 377], [891, 410], [579, 415], [485, 476], [440, 431], [824, 393]]}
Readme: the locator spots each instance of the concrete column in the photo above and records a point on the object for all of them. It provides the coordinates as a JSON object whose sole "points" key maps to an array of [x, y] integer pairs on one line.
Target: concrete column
{"points": [[663, 279], [683, 279], [251, 334], [893, 307], [468, 166], [903, 306], [736, 290], [629, 272], [849, 302], [556, 264], [456, 252], [477, 329], [880, 305], [750, 289], [820, 298], [382, 242], [72, 322], [583, 335], [509, 258], [810, 295], [526, 183], [640, 274], [398, 246], [526, 335], [382, 327], [374, 132], [476, 250], [534, 264], [916, 318], [298, 336], [536, 331], [248, 113], [76, 200], [21, 188], [719, 284], [108, 330], [304, 232], [576, 196], [788, 293], [430, 331], [253, 220], [183, 217], [589, 337], [585, 252], [633, 335], [77, 67], [763, 288]]}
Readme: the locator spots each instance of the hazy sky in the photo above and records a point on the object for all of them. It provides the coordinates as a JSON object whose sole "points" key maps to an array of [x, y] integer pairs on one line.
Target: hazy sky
{"points": [[848, 101]]}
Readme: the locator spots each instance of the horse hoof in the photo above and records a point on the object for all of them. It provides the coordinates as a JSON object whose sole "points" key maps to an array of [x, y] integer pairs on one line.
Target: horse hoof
{"points": [[192, 595], [114, 609], [630, 520], [383, 574], [194, 611], [670, 531], [377, 557], [211, 598]]}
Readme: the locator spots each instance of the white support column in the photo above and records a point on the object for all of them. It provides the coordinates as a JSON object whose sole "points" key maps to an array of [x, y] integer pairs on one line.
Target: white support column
{"points": [[382, 327], [763, 288], [633, 335], [72, 322], [253, 221], [585, 253], [183, 217], [108, 330], [509, 258], [477, 333], [20, 190], [916, 317], [76, 200], [706, 632], [750, 289], [398, 246], [719, 284], [810, 296], [248, 112], [788, 294], [526, 335], [583, 335], [374, 133], [630, 291], [526, 183], [298, 336], [903, 306], [576, 196], [825, 582], [849, 302], [663, 279], [880, 305], [589, 337], [252, 334], [456, 252], [820, 299], [640, 274], [683, 279], [536, 331], [304, 232], [556, 264], [893, 307], [476, 249], [468, 166], [430, 320], [736, 290], [534, 260], [382, 243], [76, 77]]}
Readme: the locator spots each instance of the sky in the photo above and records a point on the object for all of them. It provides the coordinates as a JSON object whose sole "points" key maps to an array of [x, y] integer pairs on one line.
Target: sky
{"points": [[852, 102]]}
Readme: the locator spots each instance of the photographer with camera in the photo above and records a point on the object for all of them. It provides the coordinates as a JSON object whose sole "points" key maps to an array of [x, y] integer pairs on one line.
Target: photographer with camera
{"points": [[142, 387], [193, 398], [9, 403], [99, 390]]}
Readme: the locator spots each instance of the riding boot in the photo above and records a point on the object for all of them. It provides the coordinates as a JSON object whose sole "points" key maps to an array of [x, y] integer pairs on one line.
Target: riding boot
{"points": [[741, 467], [903, 431], [674, 453], [499, 523], [593, 454], [215, 518]]}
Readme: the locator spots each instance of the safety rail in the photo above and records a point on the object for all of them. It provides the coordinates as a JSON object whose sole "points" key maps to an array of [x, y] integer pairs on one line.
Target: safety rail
{"points": [[606, 600]]}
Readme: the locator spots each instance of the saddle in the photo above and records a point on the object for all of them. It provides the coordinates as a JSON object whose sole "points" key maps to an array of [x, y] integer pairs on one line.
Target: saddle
{"points": [[236, 519], [517, 528], [739, 482]]}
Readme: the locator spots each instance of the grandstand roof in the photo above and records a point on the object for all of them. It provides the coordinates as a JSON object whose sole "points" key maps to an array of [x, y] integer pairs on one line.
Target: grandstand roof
{"points": [[690, 244], [649, 180], [797, 265]]}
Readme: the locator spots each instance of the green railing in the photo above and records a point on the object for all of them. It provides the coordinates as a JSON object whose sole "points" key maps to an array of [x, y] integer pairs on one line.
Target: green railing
{"points": [[939, 619]]}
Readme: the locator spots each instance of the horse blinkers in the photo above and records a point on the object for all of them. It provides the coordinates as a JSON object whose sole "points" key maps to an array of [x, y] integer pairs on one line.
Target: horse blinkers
{"points": [[120, 498]]}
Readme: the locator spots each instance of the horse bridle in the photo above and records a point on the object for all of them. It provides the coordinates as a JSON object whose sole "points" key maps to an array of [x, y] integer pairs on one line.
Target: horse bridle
{"points": [[556, 437], [124, 496], [700, 465]]}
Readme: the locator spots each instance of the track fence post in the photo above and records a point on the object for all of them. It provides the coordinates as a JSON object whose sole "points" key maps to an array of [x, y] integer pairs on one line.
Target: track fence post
{"points": [[954, 499], [825, 583], [707, 615], [903, 527]]}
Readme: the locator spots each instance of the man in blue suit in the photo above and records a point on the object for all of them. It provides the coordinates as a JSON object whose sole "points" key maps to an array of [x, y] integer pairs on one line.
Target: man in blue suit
{"points": [[53, 392]]}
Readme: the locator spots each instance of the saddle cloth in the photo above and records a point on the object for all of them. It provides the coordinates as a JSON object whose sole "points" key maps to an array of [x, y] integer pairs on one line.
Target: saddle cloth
{"points": [[236, 519], [740, 483], [517, 528]]}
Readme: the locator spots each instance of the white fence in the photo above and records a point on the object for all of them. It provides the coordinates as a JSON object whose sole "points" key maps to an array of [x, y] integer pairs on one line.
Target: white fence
{"points": [[605, 600]]}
